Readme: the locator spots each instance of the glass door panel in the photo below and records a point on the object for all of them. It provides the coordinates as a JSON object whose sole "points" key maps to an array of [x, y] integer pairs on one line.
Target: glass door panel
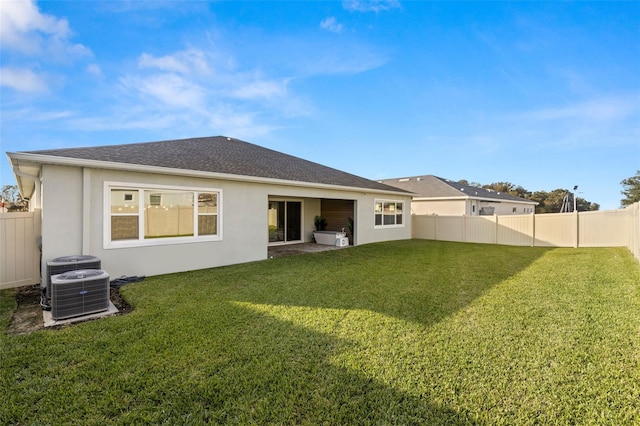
{"points": [[285, 221], [294, 227], [276, 221]]}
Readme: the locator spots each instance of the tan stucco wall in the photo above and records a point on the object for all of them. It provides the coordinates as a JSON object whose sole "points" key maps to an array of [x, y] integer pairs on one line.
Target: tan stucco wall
{"points": [[465, 207], [70, 229], [439, 207], [61, 213]]}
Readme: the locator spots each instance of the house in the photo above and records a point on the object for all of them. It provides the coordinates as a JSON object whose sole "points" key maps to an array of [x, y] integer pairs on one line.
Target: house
{"points": [[171, 206], [435, 195]]}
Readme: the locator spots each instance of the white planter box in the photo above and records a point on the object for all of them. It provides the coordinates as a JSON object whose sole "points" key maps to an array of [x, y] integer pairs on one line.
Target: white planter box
{"points": [[328, 238]]}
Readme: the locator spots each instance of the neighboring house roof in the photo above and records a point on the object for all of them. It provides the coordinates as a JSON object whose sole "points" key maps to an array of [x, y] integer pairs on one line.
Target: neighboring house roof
{"points": [[217, 156], [435, 187]]}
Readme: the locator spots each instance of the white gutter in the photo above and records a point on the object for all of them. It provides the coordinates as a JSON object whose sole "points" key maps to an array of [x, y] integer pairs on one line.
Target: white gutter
{"points": [[79, 162], [463, 197], [36, 188], [469, 197]]}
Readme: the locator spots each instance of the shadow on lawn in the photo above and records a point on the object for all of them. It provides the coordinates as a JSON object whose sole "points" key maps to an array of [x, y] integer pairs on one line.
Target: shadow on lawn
{"points": [[422, 281], [259, 369], [227, 357], [224, 363], [306, 375]]}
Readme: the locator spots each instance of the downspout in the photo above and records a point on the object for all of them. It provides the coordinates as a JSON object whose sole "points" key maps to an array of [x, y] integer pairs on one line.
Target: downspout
{"points": [[37, 180]]}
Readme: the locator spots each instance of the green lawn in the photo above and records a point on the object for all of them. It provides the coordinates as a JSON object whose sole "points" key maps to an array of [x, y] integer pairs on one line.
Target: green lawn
{"points": [[410, 332]]}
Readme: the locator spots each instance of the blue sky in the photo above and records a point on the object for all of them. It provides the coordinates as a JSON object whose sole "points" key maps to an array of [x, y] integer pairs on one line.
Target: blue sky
{"points": [[544, 95]]}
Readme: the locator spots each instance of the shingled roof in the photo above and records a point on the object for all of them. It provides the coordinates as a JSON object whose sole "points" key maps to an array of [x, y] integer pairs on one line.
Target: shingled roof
{"points": [[430, 186], [217, 155]]}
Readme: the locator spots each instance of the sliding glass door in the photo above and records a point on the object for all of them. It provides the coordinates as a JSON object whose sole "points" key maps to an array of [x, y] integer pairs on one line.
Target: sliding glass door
{"points": [[285, 221]]}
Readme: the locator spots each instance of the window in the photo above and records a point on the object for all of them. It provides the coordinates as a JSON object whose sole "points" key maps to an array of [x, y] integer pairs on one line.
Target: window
{"points": [[154, 215], [155, 199], [208, 213], [388, 213], [124, 214]]}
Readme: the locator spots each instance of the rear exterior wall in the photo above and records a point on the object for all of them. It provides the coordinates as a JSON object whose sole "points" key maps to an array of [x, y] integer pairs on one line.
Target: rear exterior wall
{"points": [[74, 212]]}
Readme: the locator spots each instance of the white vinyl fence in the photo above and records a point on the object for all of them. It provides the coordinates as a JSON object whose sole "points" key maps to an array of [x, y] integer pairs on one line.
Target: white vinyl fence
{"points": [[611, 228], [20, 254], [19, 250]]}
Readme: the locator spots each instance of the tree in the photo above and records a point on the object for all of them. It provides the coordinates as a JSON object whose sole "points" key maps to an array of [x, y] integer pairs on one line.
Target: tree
{"points": [[631, 190], [509, 188], [548, 202], [466, 182], [553, 201], [13, 199]]}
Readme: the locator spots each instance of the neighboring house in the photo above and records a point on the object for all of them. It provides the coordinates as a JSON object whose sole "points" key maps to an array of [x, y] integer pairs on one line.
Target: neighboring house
{"points": [[162, 207], [434, 195]]}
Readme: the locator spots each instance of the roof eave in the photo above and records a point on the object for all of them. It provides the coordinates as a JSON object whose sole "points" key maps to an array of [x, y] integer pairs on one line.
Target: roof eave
{"points": [[445, 198], [79, 162], [472, 197], [25, 179], [501, 200]]}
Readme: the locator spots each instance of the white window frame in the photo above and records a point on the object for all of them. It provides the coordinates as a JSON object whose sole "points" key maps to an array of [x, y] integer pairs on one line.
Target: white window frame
{"points": [[141, 241], [394, 225]]}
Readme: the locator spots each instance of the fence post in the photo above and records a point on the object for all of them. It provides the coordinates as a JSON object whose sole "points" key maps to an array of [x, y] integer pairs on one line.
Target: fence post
{"points": [[577, 242], [533, 230], [464, 228]]}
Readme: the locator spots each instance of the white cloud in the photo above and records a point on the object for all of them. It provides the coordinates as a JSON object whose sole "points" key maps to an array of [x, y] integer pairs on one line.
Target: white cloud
{"points": [[370, 5], [183, 62], [94, 69], [331, 24], [605, 121], [606, 109], [23, 29], [343, 60], [169, 89], [260, 89], [22, 80], [21, 21]]}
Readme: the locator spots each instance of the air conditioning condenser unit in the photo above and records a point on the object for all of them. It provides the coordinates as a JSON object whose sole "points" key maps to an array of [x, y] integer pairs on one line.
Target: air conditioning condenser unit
{"points": [[79, 292], [63, 264]]}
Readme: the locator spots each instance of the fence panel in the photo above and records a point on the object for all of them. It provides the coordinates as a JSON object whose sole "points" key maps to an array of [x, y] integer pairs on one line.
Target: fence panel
{"points": [[480, 229], [450, 228], [515, 230], [604, 228], [19, 251], [611, 228], [424, 227], [556, 230]]}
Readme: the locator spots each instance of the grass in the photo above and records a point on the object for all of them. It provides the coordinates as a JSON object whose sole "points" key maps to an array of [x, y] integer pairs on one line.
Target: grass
{"points": [[410, 332]]}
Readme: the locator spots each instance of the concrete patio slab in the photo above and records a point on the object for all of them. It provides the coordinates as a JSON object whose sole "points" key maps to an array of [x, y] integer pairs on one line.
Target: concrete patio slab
{"points": [[50, 322], [291, 249]]}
